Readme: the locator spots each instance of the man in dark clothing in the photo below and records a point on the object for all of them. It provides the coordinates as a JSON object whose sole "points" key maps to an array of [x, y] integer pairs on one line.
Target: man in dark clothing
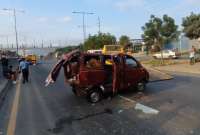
{"points": [[4, 62], [24, 68]]}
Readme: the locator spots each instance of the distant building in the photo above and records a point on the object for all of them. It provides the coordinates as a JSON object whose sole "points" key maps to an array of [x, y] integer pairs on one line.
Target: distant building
{"points": [[138, 45], [183, 44]]}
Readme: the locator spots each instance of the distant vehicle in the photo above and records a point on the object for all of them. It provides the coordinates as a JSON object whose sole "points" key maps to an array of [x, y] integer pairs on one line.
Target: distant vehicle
{"points": [[94, 51], [93, 75], [167, 54], [112, 49], [32, 59]]}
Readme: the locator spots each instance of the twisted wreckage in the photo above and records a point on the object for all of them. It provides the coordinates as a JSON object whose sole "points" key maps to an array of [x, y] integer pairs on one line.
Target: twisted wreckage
{"points": [[93, 75]]}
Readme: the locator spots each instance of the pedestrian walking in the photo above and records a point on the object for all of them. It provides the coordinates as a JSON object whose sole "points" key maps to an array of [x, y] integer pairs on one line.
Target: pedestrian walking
{"points": [[192, 55], [24, 68], [4, 62]]}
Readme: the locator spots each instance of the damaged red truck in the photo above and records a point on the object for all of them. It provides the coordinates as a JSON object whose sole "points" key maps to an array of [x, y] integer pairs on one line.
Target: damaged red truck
{"points": [[93, 75]]}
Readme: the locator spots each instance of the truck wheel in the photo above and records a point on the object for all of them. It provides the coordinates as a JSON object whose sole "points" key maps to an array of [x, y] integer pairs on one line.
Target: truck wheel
{"points": [[94, 96], [141, 86]]}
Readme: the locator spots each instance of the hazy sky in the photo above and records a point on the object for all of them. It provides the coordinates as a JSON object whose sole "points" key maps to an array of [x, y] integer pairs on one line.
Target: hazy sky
{"points": [[53, 19]]}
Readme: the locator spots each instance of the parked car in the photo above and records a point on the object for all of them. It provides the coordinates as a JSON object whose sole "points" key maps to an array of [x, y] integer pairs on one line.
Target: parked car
{"points": [[94, 75], [167, 54]]}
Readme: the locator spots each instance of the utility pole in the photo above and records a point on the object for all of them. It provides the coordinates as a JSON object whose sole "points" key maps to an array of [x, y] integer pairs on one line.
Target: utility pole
{"points": [[99, 25], [83, 17], [15, 24], [16, 34], [7, 41], [34, 43], [42, 44]]}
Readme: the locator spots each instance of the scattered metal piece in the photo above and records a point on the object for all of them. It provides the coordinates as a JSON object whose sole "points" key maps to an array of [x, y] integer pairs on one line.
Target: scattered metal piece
{"points": [[146, 109], [120, 111], [191, 132]]}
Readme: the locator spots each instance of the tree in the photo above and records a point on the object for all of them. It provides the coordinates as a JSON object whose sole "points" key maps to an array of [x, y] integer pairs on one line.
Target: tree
{"points": [[124, 40], [160, 31], [99, 40], [191, 26]]}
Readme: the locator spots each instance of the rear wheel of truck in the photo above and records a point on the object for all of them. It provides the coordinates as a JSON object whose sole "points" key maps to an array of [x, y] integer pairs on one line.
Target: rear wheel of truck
{"points": [[94, 96]]}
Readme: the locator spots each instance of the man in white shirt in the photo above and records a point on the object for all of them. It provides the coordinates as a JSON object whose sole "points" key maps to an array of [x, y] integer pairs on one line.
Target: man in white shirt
{"points": [[24, 68]]}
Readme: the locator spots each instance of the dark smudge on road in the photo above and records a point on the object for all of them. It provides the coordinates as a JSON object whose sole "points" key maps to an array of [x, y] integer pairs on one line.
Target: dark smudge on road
{"points": [[59, 124]]}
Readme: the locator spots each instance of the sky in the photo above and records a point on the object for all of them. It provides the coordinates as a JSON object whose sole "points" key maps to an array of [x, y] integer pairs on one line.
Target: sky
{"points": [[53, 20]]}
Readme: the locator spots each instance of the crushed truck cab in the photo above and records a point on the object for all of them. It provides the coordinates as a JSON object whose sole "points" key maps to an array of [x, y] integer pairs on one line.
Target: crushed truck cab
{"points": [[93, 75]]}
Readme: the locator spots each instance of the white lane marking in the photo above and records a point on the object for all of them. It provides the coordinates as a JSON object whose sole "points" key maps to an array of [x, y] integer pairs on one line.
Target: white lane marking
{"points": [[138, 106]]}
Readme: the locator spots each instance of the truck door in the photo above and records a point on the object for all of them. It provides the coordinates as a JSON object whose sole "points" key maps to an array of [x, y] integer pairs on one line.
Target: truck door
{"points": [[131, 71]]}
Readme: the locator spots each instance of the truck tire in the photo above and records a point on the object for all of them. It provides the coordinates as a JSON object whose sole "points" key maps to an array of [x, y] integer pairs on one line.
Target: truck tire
{"points": [[94, 95]]}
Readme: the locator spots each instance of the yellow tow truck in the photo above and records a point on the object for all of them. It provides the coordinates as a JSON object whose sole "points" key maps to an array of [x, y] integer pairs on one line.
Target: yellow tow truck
{"points": [[31, 58], [112, 49]]}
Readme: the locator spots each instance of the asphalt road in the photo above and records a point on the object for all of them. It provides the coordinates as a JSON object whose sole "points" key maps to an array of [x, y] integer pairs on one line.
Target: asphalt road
{"points": [[40, 110]]}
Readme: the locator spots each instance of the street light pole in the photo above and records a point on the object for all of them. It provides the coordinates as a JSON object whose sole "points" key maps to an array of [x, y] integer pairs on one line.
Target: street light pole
{"points": [[83, 21], [16, 34], [99, 25], [7, 41], [15, 25], [180, 45], [84, 28]]}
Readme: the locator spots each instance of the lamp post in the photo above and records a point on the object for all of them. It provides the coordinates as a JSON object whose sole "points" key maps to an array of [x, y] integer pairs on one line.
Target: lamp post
{"points": [[180, 43], [15, 24], [83, 21]]}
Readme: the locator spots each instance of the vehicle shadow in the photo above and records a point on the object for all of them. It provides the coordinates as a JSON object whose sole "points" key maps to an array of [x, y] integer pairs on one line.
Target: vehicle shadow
{"points": [[154, 88]]}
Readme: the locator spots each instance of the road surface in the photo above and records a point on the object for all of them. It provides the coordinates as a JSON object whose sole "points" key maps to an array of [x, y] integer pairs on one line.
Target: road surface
{"points": [[32, 109]]}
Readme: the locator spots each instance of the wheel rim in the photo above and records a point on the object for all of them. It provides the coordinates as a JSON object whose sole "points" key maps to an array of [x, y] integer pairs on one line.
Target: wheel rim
{"points": [[141, 86], [94, 97]]}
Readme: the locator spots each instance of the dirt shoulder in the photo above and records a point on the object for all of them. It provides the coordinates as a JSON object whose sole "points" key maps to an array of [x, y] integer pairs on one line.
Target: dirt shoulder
{"points": [[185, 68]]}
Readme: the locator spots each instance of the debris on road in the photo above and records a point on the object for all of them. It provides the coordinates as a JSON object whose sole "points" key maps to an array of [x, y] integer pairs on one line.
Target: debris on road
{"points": [[120, 111], [146, 109]]}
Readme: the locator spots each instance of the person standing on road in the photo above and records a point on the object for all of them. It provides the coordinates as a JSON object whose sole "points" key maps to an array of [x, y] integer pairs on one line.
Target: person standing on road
{"points": [[4, 62], [24, 68], [12, 74], [192, 55]]}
